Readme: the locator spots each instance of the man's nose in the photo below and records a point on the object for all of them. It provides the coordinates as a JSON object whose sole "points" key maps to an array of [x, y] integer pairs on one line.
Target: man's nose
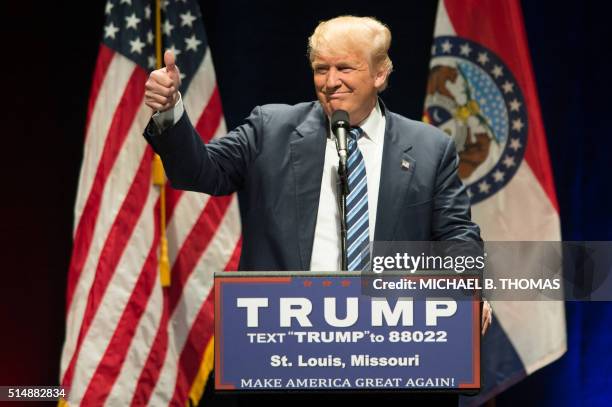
{"points": [[333, 79]]}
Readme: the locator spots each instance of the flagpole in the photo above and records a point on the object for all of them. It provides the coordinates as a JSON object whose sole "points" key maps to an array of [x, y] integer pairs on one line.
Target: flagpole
{"points": [[159, 178]]}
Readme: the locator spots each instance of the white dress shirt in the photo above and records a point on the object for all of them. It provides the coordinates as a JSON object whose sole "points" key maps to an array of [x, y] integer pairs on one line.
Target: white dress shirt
{"points": [[326, 253], [170, 117]]}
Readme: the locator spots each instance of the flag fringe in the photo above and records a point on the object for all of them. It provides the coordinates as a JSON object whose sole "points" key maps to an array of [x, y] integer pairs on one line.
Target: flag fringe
{"points": [[199, 383]]}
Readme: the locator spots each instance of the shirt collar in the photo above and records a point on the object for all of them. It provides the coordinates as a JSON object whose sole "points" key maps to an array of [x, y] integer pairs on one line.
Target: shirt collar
{"points": [[369, 125]]}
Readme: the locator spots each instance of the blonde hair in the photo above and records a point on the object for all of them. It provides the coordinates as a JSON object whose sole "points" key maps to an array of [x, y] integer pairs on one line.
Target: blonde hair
{"points": [[347, 34]]}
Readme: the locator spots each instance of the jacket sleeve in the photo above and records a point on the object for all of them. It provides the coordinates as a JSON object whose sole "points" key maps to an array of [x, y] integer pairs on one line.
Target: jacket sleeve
{"points": [[216, 168], [451, 212]]}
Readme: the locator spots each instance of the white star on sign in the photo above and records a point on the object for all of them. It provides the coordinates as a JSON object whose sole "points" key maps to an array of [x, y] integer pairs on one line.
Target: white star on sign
{"points": [[151, 61], [498, 175], [164, 4], [128, 2], [508, 87], [136, 45], [167, 27], [483, 58], [110, 30], [465, 49], [132, 21], [109, 7], [187, 19], [515, 144], [147, 11], [515, 105], [497, 71], [433, 50], [484, 187], [192, 43], [509, 161], [446, 46], [517, 124], [150, 37]]}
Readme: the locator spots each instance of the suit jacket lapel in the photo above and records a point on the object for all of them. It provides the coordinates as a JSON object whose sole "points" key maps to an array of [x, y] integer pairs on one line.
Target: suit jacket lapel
{"points": [[395, 176], [307, 157]]}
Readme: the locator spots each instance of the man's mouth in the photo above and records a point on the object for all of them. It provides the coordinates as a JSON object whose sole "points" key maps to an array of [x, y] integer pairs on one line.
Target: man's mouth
{"points": [[336, 95]]}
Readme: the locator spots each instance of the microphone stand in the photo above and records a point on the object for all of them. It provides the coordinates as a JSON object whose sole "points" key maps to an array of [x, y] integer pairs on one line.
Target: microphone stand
{"points": [[343, 192], [340, 126]]}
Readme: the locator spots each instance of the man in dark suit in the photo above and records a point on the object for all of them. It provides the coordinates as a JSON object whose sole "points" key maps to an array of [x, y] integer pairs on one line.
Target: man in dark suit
{"points": [[282, 162]]}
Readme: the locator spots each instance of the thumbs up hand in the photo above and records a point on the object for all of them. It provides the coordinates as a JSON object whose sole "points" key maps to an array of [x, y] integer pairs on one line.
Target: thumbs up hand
{"points": [[161, 89]]}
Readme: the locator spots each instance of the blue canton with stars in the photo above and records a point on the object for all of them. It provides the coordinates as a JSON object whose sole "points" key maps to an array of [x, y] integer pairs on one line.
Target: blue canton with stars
{"points": [[501, 102], [129, 30]]}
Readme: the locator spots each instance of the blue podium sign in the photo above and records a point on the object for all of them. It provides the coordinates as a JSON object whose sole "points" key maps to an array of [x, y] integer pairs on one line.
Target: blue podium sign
{"points": [[322, 332]]}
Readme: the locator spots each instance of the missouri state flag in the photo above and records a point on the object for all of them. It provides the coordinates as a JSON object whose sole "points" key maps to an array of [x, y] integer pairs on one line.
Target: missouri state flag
{"points": [[481, 91]]}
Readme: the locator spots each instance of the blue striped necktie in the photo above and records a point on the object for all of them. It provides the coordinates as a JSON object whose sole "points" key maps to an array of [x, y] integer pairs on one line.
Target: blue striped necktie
{"points": [[357, 213]]}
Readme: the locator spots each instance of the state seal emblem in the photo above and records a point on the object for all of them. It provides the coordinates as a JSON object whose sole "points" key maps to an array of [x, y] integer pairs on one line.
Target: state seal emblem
{"points": [[473, 97]]}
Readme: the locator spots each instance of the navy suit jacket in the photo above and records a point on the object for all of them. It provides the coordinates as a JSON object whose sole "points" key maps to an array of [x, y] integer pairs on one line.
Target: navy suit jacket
{"points": [[275, 162]]}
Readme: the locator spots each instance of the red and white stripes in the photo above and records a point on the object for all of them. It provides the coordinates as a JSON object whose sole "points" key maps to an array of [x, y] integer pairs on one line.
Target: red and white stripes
{"points": [[127, 339]]}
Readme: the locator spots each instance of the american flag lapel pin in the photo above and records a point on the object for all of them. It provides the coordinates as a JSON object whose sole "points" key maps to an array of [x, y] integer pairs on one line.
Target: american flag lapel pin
{"points": [[405, 165]]}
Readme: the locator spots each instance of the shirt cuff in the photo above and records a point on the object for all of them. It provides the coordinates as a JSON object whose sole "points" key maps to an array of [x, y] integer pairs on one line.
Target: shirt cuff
{"points": [[167, 119]]}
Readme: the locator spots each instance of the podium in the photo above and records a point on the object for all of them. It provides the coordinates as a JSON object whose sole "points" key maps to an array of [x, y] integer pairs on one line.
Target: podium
{"points": [[340, 331]]}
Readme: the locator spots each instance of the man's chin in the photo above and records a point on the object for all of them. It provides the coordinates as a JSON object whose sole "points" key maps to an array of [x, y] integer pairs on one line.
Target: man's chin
{"points": [[330, 106]]}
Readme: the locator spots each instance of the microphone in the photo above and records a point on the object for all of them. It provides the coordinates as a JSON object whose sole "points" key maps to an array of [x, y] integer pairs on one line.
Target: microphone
{"points": [[340, 126]]}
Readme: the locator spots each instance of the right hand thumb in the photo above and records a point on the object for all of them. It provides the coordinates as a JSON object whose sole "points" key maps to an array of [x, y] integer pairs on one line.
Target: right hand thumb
{"points": [[169, 61]]}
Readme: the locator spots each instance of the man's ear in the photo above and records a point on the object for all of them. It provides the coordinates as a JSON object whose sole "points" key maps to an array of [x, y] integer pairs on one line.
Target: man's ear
{"points": [[380, 78]]}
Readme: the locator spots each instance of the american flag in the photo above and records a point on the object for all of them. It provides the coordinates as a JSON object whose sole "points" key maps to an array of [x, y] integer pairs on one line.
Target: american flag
{"points": [[128, 340]]}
